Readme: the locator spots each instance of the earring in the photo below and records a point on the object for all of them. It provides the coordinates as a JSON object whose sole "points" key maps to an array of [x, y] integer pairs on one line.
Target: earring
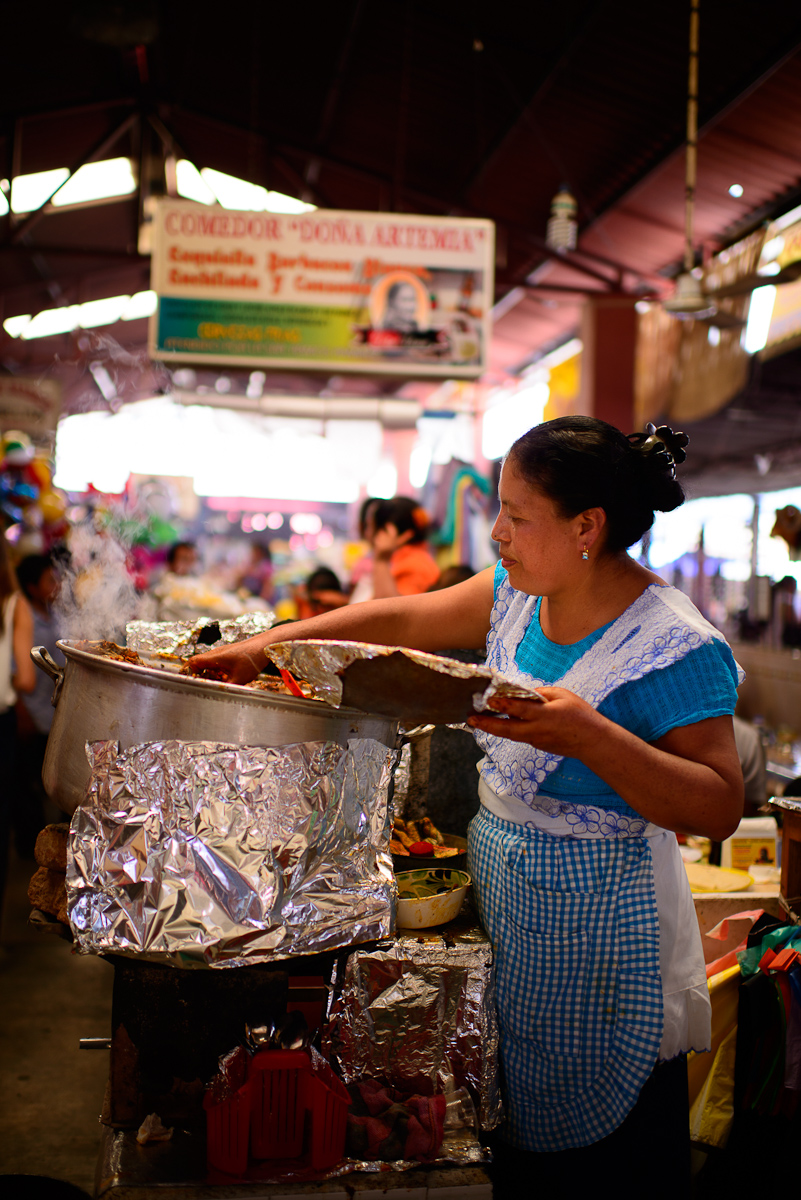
{"points": [[584, 554]]}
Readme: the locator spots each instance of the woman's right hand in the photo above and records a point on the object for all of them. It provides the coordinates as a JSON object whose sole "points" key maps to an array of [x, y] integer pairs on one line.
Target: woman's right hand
{"points": [[238, 663]]}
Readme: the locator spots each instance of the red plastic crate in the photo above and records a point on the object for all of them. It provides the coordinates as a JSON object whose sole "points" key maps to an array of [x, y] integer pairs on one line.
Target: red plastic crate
{"points": [[279, 1082], [328, 1102], [228, 1130]]}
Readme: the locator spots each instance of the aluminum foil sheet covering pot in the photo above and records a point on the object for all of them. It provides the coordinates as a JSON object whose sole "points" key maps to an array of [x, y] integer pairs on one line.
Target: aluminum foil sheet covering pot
{"points": [[197, 854], [97, 699]]}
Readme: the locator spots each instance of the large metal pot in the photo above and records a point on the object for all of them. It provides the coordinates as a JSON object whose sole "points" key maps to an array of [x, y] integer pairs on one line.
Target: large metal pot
{"points": [[98, 699]]}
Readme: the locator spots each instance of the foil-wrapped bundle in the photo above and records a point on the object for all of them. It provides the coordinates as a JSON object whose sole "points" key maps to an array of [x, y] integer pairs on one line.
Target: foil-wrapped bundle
{"points": [[181, 639], [420, 1015], [412, 685], [198, 853]]}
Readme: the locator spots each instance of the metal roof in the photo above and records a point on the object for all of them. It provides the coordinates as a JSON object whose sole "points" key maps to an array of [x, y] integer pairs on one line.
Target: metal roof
{"points": [[443, 107]]}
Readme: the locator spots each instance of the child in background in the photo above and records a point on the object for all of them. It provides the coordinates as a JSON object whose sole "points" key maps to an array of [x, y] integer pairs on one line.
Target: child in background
{"points": [[402, 563]]}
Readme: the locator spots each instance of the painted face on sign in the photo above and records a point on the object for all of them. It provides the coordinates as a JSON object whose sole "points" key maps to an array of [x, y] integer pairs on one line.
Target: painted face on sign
{"points": [[401, 310]]}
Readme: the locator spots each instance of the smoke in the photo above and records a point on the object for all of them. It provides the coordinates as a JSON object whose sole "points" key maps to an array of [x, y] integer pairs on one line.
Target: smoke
{"points": [[97, 597]]}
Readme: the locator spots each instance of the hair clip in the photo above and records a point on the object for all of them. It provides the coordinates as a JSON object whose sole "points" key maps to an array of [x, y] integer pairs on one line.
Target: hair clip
{"points": [[661, 447]]}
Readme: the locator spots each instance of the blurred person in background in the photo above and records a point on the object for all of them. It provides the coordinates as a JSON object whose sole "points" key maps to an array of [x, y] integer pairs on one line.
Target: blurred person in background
{"points": [[402, 563], [182, 558], [321, 593], [39, 583], [17, 674], [257, 577], [452, 575]]}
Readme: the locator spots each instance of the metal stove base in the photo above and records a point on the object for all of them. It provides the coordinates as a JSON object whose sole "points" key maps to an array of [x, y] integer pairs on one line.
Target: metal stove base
{"points": [[176, 1170]]}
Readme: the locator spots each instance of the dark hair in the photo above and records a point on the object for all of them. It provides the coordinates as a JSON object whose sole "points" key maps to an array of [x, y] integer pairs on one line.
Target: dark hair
{"points": [[322, 580], [31, 569], [581, 462], [405, 514], [452, 575], [364, 511], [173, 550]]}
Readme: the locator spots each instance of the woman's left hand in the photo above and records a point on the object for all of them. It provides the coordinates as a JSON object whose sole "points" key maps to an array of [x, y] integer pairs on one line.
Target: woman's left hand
{"points": [[565, 724]]}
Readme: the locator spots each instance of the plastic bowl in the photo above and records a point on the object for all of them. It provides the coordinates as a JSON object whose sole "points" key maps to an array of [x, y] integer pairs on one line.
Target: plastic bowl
{"points": [[431, 896]]}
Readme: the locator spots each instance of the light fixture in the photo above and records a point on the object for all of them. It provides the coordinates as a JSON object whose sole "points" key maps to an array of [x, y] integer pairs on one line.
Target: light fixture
{"points": [[51, 321], [562, 226], [688, 302], [736, 190], [106, 180], [760, 311]]}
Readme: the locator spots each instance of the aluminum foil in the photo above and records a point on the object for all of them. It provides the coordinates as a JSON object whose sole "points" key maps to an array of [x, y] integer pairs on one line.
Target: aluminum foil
{"points": [[420, 1014], [204, 854], [320, 664], [179, 639]]}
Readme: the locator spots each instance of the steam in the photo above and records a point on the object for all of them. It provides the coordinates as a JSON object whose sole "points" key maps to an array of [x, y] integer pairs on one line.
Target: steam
{"points": [[97, 596]]}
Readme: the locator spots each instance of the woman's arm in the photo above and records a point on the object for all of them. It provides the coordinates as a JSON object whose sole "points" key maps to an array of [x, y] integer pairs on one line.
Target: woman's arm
{"points": [[22, 637], [689, 781], [454, 618]]}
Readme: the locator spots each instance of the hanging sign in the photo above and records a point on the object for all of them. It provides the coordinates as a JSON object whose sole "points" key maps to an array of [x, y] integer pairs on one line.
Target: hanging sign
{"points": [[385, 293]]}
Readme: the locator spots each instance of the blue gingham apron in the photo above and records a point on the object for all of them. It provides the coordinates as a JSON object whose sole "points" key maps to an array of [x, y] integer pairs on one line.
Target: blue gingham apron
{"points": [[574, 924], [568, 897]]}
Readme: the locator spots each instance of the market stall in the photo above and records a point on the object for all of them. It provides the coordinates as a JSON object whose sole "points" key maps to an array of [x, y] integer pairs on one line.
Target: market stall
{"points": [[245, 893]]}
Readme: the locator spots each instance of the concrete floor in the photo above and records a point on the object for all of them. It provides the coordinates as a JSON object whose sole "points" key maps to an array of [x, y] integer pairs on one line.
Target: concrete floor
{"points": [[51, 1092]]}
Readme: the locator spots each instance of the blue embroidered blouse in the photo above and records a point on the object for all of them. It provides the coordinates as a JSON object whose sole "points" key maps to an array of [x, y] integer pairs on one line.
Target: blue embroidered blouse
{"points": [[702, 684]]}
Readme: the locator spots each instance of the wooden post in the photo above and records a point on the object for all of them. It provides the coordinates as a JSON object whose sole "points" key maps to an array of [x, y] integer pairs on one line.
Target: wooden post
{"points": [[609, 335]]}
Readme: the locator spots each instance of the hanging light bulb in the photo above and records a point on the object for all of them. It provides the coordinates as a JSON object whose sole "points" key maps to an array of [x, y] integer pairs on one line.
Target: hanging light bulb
{"points": [[562, 225]]}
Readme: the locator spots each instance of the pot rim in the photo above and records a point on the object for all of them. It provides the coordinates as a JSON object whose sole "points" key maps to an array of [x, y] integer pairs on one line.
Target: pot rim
{"points": [[214, 688]]}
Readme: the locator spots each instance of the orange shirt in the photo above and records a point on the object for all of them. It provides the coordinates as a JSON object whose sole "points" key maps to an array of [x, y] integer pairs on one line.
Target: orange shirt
{"points": [[413, 570]]}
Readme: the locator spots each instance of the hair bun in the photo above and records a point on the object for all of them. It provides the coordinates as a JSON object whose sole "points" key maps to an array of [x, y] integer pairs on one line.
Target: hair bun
{"points": [[661, 448]]}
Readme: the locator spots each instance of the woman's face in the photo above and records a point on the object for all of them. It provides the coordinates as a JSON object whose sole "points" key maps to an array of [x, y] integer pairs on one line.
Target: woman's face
{"points": [[539, 548]]}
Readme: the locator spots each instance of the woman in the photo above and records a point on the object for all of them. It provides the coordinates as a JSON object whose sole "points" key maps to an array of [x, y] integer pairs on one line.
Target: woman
{"points": [[600, 975], [402, 562]]}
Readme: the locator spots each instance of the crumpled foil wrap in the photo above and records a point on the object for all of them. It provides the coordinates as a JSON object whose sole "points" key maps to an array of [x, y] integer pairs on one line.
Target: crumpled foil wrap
{"points": [[420, 1014], [179, 639], [204, 854], [321, 663]]}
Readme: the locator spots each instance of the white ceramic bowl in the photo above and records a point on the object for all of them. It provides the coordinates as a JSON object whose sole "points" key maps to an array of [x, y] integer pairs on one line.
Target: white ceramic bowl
{"points": [[430, 896]]}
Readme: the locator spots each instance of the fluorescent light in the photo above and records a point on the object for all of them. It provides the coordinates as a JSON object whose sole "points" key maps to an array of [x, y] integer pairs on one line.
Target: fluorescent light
{"points": [[760, 312], [102, 312], [15, 325], [98, 181], [279, 202], [239, 194], [29, 192], [190, 183], [52, 321], [142, 304], [93, 181], [235, 193], [736, 190]]}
